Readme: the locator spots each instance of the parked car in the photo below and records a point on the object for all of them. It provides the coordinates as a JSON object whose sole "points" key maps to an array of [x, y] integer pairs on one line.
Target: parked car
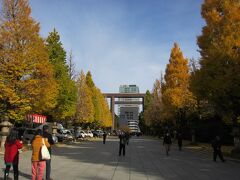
{"points": [[97, 133], [28, 135], [82, 134], [60, 135], [74, 133], [78, 133], [68, 135], [21, 131], [55, 138], [89, 134]]}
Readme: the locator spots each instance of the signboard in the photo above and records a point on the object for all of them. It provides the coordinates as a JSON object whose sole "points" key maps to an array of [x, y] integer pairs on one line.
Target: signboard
{"points": [[36, 118]]}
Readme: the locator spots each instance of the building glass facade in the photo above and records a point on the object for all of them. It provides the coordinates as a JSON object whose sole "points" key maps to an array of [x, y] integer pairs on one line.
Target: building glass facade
{"points": [[129, 113]]}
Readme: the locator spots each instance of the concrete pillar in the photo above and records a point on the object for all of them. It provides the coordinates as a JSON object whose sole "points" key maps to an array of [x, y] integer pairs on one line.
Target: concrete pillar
{"points": [[143, 103], [112, 110]]}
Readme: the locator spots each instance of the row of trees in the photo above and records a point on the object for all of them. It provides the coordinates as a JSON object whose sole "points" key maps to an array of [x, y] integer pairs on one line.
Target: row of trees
{"points": [[35, 76], [195, 91], [92, 107]]}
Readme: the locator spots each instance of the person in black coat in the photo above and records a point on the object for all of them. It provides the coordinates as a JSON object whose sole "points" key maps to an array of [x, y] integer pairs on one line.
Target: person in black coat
{"points": [[167, 141], [104, 137], [179, 138], [46, 134], [127, 137], [122, 143], [216, 144]]}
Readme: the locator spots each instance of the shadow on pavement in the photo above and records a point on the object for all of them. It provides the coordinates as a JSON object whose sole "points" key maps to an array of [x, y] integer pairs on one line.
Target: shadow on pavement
{"points": [[21, 174], [144, 157]]}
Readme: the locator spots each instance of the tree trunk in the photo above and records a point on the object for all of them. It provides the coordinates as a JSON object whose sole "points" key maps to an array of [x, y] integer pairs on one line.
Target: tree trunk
{"points": [[193, 137], [236, 150]]}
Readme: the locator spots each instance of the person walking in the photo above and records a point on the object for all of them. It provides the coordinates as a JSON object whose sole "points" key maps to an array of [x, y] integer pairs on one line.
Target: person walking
{"points": [[76, 133], [127, 137], [167, 143], [179, 138], [104, 137], [175, 135], [38, 165], [216, 144], [11, 155], [122, 143], [48, 136]]}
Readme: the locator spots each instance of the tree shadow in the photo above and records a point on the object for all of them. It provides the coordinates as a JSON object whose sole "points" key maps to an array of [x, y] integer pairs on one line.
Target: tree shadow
{"points": [[97, 153], [21, 174], [145, 157], [28, 176]]}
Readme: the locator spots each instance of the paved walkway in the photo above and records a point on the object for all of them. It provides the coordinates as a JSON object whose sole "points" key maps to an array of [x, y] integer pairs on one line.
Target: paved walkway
{"points": [[145, 160]]}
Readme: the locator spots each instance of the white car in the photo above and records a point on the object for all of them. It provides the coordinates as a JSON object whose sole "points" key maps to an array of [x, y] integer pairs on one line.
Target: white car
{"points": [[68, 134], [89, 134], [82, 134]]}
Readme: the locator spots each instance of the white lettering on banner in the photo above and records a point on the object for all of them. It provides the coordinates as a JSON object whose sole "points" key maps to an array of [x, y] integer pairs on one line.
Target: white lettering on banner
{"points": [[36, 118]]}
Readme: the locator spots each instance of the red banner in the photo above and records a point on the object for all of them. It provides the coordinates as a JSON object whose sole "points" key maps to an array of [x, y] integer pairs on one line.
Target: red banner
{"points": [[36, 118]]}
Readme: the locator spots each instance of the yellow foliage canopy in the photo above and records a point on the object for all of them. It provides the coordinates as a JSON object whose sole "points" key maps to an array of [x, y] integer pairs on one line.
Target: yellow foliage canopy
{"points": [[176, 93], [85, 107], [27, 84]]}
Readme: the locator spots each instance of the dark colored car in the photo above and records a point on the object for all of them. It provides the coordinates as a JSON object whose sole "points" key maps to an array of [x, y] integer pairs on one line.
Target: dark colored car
{"points": [[60, 135], [97, 133], [28, 135]]}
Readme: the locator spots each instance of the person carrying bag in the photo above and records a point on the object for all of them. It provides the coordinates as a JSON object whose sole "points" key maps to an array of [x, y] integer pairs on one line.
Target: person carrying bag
{"points": [[48, 136], [39, 155], [45, 155]]}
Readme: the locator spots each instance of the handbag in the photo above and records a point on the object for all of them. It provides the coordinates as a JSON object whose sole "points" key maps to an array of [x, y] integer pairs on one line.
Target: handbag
{"points": [[45, 155]]}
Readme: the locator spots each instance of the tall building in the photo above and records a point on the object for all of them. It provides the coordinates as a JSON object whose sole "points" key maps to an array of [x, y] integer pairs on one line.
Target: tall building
{"points": [[129, 113], [128, 89]]}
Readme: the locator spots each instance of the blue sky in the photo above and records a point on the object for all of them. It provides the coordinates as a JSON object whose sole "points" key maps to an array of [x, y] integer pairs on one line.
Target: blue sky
{"points": [[122, 41]]}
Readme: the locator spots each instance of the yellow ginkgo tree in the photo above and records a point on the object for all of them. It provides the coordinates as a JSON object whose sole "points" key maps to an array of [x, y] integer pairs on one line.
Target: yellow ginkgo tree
{"points": [[26, 76], [217, 80], [177, 98]]}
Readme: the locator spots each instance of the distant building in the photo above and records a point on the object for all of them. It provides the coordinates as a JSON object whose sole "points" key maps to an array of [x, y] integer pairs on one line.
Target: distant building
{"points": [[128, 89], [129, 113]]}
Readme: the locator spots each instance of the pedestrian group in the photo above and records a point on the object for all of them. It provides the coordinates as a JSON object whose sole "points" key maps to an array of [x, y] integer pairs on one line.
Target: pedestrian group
{"points": [[13, 146]]}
